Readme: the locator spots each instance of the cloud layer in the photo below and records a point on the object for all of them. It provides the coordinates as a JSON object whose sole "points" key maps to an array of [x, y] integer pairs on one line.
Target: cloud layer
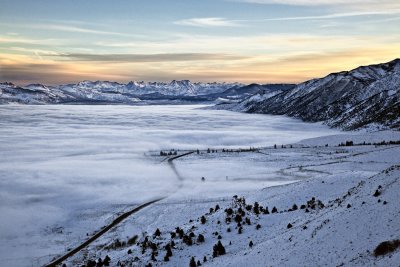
{"points": [[207, 22], [134, 58]]}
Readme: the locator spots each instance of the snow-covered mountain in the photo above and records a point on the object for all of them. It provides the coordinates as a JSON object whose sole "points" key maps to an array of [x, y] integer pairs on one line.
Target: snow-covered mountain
{"points": [[365, 96], [179, 88], [114, 92], [30, 94], [253, 93]]}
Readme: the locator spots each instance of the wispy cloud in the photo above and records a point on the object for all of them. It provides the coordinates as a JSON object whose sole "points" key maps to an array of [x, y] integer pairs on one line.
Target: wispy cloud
{"points": [[219, 22], [75, 29], [31, 41], [33, 50], [37, 52], [71, 27], [323, 2], [331, 16], [132, 58], [207, 22]]}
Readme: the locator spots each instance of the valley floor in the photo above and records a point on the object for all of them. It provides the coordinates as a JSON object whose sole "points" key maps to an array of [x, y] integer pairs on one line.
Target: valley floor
{"points": [[338, 205]]}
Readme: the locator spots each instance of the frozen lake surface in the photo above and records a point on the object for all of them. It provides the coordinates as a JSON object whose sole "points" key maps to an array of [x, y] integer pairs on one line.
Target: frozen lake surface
{"points": [[66, 169]]}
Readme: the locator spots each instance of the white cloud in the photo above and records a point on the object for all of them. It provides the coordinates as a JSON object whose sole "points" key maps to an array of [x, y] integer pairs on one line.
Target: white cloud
{"points": [[221, 22], [323, 2], [343, 5], [27, 40], [207, 22], [334, 15], [65, 28]]}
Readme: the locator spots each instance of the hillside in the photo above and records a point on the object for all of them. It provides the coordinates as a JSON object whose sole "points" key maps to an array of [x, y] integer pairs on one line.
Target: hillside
{"points": [[364, 97], [337, 214]]}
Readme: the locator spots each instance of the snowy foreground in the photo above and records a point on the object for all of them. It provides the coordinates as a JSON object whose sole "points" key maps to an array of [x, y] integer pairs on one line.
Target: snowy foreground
{"points": [[350, 197]]}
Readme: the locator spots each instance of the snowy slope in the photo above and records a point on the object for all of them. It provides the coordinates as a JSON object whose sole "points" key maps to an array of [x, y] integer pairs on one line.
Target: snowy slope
{"points": [[31, 94], [341, 223], [102, 91], [238, 99], [365, 96]]}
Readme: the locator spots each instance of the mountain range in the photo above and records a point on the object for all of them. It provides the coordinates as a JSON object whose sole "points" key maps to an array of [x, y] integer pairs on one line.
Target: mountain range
{"points": [[90, 92], [368, 96]]}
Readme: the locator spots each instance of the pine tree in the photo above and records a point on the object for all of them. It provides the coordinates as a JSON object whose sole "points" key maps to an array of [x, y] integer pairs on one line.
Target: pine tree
{"points": [[200, 238], [238, 218], [106, 261], [218, 249], [169, 251], [256, 208], [251, 244], [91, 263], [153, 257], [157, 232], [192, 262], [229, 211], [266, 211]]}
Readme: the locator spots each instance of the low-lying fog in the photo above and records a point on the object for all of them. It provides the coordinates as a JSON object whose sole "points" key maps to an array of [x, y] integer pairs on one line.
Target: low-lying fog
{"points": [[63, 166]]}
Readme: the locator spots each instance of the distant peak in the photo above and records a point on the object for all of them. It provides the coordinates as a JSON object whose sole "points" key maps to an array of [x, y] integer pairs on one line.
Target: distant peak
{"points": [[7, 83], [85, 82]]}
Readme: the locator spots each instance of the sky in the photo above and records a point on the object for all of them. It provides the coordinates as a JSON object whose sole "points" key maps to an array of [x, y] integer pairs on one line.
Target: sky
{"points": [[262, 41]]}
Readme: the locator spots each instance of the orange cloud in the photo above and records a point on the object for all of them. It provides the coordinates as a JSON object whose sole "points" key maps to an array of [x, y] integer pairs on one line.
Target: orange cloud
{"points": [[275, 68]]}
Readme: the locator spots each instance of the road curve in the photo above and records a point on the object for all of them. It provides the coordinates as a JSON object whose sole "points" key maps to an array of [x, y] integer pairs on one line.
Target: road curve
{"points": [[115, 222], [100, 233]]}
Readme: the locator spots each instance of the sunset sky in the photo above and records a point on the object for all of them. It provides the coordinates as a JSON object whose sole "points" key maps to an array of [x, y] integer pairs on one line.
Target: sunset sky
{"points": [[264, 41]]}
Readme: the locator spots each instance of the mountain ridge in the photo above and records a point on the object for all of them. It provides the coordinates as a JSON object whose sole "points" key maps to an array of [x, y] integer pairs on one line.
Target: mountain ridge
{"points": [[364, 97], [114, 92]]}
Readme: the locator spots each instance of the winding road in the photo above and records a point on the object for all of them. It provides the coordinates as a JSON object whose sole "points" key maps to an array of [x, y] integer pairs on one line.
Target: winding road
{"points": [[119, 219]]}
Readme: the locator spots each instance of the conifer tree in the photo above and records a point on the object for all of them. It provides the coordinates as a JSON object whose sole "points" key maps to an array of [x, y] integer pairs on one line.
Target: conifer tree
{"points": [[192, 262]]}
